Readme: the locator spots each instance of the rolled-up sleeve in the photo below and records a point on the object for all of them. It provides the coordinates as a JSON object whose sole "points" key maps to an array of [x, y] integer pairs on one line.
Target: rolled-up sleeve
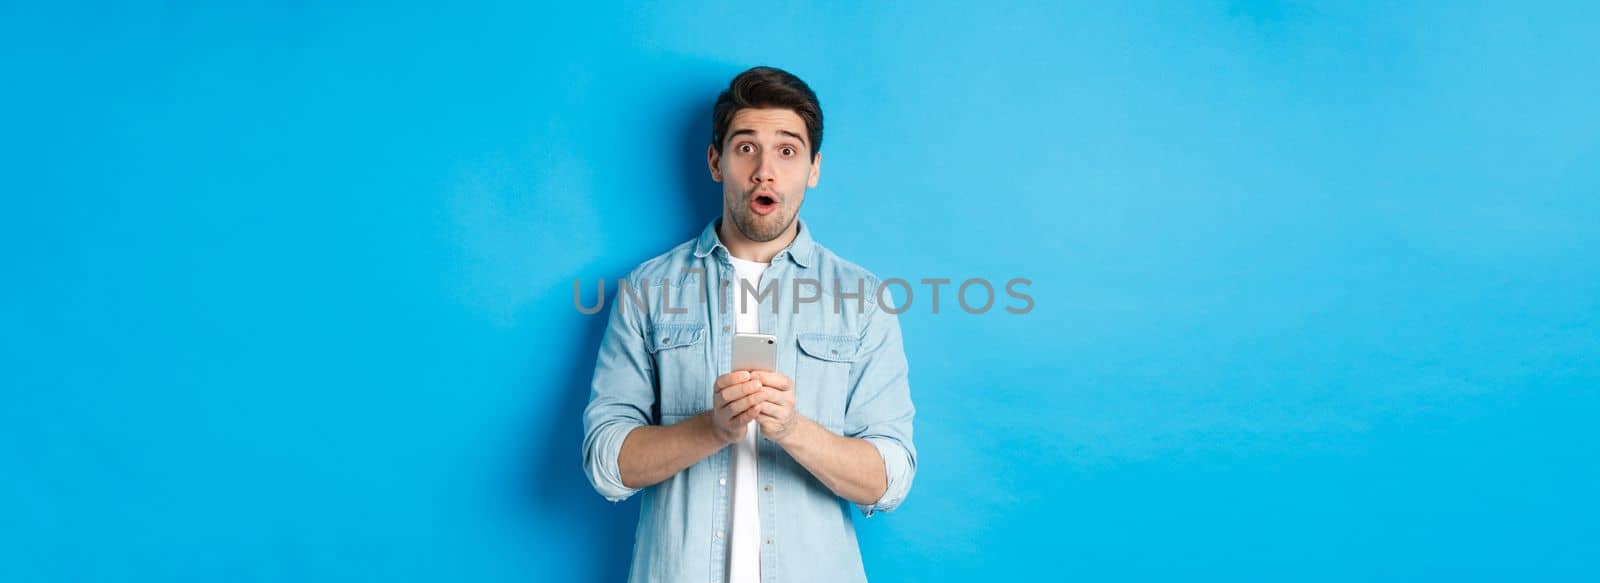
{"points": [[880, 409], [621, 397]]}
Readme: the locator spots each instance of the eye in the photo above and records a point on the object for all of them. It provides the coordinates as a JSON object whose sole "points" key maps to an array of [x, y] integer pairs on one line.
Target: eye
{"points": [[746, 148], [788, 151]]}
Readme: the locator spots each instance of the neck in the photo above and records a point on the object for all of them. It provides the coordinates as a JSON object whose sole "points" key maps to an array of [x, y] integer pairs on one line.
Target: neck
{"points": [[742, 247]]}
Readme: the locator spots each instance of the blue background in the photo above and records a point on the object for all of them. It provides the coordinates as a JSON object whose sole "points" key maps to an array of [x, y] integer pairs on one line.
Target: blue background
{"points": [[288, 287]]}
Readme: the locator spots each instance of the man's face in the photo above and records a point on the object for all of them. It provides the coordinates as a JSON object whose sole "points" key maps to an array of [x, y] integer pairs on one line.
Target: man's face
{"points": [[765, 168]]}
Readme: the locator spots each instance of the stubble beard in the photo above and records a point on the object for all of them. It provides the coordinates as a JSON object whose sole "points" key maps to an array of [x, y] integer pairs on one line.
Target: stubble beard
{"points": [[761, 229]]}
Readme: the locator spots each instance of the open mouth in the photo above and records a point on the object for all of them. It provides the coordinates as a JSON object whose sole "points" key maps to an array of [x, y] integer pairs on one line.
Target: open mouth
{"points": [[764, 204]]}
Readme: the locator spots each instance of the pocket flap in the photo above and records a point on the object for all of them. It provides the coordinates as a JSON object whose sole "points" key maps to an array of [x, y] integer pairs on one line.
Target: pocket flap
{"points": [[664, 336], [830, 347]]}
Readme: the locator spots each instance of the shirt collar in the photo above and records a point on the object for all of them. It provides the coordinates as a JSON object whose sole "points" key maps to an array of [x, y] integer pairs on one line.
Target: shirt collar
{"points": [[800, 250]]}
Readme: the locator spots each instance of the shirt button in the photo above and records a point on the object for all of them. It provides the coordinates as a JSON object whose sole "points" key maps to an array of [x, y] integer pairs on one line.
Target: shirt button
{"points": [[719, 534], [769, 487], [769, 541], [722, 481], [724, 328]]}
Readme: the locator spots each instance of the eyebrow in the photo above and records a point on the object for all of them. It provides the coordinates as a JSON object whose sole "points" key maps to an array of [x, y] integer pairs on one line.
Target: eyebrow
{"points": [[751, 132]]}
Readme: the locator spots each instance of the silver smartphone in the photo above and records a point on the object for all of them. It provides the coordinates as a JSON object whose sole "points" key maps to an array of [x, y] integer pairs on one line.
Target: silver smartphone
{"points": [[755, 352]]}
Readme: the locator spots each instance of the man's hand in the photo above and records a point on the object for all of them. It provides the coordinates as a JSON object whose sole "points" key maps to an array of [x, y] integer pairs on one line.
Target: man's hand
{"points": [[776, 410], [735, 397]]}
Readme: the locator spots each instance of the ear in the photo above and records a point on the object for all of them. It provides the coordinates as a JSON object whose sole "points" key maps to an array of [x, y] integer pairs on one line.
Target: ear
{"points": [[816, 170], [711, 161]]}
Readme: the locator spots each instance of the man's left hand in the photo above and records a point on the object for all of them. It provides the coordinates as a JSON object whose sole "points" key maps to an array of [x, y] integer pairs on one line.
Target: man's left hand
{"points": [[778, 418]]}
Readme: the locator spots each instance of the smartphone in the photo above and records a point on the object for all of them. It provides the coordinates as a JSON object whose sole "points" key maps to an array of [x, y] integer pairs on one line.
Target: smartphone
{"points": [[755, 352]]}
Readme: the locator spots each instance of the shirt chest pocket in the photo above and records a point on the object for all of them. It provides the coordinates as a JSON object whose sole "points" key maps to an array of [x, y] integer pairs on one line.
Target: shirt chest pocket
{"points": [[681, 361], [822, 377]]}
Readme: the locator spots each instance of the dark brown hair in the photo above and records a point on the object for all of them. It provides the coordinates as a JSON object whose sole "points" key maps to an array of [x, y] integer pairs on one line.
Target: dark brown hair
{"points": [[764, 87]]}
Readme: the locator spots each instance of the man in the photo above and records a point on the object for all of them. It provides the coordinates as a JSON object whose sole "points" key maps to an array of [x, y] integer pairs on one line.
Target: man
{"points": [[745, 474]]}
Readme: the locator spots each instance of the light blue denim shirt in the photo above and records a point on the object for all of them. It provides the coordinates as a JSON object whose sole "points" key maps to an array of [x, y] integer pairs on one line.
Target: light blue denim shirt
{"points": [[656, 366]]}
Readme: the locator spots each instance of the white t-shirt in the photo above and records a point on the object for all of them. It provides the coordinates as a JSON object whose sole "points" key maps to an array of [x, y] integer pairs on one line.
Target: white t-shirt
{"points": [[744, 542]]}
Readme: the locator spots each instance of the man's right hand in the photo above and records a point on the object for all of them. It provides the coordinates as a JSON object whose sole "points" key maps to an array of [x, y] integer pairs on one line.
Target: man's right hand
{"points": [[734, 399], [652, 453]]}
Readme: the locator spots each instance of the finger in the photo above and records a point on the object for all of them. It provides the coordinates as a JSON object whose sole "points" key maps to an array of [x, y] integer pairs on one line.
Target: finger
{"points": [[732, 378], [769, 423], [766, 420], [776, 380], [740, 390], [732, 393], [749, 415], [778, 397], [737, 390], [780, 407], [774, 412], [745, 404]]}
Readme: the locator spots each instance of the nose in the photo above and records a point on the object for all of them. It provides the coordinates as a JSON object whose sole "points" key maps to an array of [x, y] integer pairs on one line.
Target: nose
{"points": [[764, 169]]}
